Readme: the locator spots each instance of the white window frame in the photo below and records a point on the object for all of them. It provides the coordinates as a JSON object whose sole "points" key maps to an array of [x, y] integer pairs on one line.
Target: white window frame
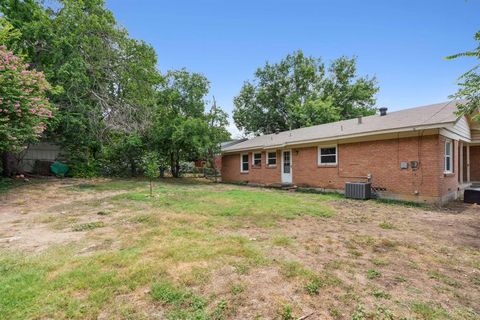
{"points": [[268, 158], [241, 162], [253, 159], [319, 155], [448, 158]]}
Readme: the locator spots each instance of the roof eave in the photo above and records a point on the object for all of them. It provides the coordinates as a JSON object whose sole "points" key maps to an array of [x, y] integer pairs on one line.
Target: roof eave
{"points": [[293, 143]]}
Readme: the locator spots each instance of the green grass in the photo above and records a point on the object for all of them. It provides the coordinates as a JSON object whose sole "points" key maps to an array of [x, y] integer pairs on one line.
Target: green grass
{"points": [[260, 207], [429, 310], [404, 203], [6, 184], [183, 304], [160, 253]]}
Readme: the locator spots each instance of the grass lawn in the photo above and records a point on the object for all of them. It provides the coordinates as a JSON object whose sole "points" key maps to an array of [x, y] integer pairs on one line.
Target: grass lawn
{"points": [[88, 249]]}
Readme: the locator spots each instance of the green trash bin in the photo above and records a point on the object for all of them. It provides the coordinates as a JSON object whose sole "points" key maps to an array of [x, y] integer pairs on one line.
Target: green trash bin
{"points": [[59, 168]]}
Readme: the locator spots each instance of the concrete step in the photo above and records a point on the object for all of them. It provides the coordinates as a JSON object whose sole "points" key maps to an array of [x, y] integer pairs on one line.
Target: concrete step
{"points": [[283, 186]]}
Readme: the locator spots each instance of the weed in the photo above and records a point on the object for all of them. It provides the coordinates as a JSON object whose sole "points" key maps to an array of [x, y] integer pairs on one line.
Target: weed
{"points": [[400, 279], [292, 269], [386, 225], [359, 313], [237, 288], [355, 252], [381, 294], [286, 312], [335, 313], [88, 226], [218, 312], [282, 241], [313, 286], [373, 274], [379, 262]]}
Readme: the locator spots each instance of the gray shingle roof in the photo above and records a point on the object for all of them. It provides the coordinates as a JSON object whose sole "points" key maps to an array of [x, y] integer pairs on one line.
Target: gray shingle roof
{"points": [[434, 115]]}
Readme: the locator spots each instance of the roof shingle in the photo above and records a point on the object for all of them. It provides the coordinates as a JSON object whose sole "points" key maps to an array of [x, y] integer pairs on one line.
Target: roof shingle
{"points": [[425, 116]]}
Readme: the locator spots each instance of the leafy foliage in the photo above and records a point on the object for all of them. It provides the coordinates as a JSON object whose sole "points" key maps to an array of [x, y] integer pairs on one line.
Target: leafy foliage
{"points": [[301, 91], [105, 80], [469, 84], [113, 103], [151, 167], [25, 111], [181, 128]]}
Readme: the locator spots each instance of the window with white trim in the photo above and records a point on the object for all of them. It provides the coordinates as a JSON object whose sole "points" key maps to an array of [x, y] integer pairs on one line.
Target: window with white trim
{"points": [[327, 155], [272, 158], [244, 162], [257, 159], [448, 156]]}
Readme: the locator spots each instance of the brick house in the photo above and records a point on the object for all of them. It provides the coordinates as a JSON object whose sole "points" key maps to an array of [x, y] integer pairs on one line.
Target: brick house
{"points": [[424, 154]]}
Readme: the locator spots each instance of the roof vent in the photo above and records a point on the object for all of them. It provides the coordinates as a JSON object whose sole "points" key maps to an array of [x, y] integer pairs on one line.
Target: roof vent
{"points": [[277, 131], [383, 111], [359, 120]]}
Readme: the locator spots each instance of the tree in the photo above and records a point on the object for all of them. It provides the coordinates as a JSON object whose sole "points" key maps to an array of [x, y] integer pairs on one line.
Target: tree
{"points": [[25, 112], [151, 168], [123, 154], [300, 91], [106, 80], [469, 85], [179, 126], [216, 133]]}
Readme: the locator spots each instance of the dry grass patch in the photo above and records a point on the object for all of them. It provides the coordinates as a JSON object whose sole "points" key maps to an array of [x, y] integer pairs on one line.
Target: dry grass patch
{"points": [[199, 250]]}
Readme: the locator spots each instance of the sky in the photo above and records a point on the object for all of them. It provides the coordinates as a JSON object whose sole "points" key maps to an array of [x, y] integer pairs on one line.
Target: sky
{"points": [[401, 43]]}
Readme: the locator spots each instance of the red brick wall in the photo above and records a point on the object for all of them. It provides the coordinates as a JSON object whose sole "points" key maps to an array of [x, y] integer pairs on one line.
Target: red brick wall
{"points": [[381, 159], [355, 160], [263, 174], [475, 163]]}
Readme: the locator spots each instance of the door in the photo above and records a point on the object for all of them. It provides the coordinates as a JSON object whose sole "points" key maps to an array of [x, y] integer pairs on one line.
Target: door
{"points": [[287, 166]]}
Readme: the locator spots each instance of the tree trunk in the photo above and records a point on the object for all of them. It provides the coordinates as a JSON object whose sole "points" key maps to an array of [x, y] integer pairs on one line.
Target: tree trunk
{"points": [[177, 168], [132, 168], [172, 165], [162, 171]]}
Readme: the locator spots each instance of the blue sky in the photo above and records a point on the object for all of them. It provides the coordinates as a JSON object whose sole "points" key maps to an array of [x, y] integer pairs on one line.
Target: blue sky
{"points": [[402, 43]]}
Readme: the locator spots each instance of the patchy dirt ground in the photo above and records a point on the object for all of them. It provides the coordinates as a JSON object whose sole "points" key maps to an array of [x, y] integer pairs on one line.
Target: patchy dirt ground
{"points": [[354, 259], [25, 211]]}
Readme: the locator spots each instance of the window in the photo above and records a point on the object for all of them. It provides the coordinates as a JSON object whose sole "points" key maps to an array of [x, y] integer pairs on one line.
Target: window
{"points": [[257, 159], [272, 158], [244, 162], [327, 155], [448, 156]]}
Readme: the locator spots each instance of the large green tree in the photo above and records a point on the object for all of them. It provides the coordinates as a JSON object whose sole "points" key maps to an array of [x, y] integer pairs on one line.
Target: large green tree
{"points": [[301, 91], [106, 80], [182, 129], [469, 84]]}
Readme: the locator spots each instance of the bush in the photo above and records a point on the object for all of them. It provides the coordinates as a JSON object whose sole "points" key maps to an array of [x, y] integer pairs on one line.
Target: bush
{"points": [[87, 169]]}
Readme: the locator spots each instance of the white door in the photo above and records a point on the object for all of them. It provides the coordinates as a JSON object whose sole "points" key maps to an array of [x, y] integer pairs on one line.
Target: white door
{"points": [[287, 166]]}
